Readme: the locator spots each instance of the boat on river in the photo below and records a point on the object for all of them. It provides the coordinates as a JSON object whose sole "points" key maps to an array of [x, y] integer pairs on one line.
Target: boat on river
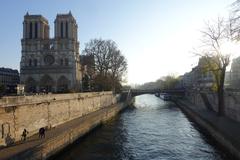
{"points": [[165, 96], [157, 94]]}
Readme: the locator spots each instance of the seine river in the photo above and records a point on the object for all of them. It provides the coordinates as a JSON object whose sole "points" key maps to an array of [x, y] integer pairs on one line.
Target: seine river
{"points": [[150, 130]]}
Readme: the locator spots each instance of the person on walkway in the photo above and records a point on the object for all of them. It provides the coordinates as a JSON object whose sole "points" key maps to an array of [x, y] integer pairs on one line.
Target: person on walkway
{"points": [[24, 135], [41, 132], [9, 140]]}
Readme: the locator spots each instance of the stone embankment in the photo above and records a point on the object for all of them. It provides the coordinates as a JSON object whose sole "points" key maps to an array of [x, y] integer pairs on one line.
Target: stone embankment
{"points": [[224, 130], [66, 117], [231, 99]]}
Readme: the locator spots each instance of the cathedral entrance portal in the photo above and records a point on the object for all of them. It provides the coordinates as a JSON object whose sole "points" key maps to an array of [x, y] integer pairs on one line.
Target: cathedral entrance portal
{"points": [[31, 85], [62, 84], [46, 84]]}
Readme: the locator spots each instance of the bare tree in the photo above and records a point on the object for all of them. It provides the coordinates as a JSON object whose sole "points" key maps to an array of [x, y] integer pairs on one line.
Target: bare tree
{"points": [[110, 64], [118, 67], [234, 20], [214, 37], [100, 49]]}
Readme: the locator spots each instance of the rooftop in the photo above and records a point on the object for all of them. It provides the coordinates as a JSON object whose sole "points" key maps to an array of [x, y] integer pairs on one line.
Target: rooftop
{"points": [[8, 70]]}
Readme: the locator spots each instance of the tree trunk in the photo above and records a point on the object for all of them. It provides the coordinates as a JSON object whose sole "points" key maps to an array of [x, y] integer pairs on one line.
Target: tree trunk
{"points": [[221, 104]]}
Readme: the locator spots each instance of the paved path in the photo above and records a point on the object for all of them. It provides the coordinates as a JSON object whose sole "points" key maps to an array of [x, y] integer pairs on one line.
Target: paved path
{"points": [[228, 127], [34, 140]]}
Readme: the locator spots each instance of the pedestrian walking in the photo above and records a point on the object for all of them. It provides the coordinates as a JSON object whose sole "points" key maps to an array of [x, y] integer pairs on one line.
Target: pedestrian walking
{"points": [[41, 132], [24, 135]]}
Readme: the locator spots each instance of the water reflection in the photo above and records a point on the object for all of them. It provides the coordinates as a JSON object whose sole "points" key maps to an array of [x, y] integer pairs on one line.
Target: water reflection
{"points": [[152, 129]]}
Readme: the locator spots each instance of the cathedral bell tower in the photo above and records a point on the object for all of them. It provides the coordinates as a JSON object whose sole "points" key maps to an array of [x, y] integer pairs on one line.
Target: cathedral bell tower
{"points": [[65, 35], [35, 27]]}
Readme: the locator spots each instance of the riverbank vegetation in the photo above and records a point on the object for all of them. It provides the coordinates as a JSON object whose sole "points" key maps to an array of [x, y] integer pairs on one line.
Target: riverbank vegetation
{"points": [[170, 81]]}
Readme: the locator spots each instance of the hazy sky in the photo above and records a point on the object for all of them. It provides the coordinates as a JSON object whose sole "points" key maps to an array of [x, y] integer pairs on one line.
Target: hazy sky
{"points": [[156, 36]]}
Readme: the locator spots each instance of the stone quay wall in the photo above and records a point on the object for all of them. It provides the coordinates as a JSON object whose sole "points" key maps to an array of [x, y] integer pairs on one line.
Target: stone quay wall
{"points": [[50, 110], [56, 144], [231, 98]]}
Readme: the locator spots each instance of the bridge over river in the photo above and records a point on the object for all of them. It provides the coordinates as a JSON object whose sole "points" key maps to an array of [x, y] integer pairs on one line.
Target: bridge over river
{"points": [[137, 92]]}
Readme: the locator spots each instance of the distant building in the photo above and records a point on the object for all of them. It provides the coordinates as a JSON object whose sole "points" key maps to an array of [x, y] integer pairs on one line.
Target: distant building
{"points": [[187, 80], [197, 78], [9, 78], [227, 81], [206, 78], [234, 77], [50, 64]]}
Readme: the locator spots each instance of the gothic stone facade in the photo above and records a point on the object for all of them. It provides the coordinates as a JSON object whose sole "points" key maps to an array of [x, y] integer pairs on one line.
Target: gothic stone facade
{"points": [[50, 64]]}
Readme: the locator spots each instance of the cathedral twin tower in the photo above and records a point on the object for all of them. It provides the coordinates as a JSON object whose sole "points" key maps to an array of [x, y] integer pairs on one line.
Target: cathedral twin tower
{"points": [[50, 64]]}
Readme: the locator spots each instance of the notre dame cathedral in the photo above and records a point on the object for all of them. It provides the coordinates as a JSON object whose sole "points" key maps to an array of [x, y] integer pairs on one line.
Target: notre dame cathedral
{"points": [[50, 64]]}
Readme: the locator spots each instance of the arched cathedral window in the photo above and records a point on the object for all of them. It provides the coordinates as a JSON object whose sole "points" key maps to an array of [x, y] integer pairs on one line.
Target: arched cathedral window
{"points": [[31, 30], [66, 29], [30, 62], [61, 28], [66, 62], [36, 30], [61, 62], [35, 62]]}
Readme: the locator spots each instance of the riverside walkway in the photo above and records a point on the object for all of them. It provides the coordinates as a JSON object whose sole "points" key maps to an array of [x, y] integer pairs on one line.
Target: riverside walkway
{"points": [[34, 141], [226, 128]]}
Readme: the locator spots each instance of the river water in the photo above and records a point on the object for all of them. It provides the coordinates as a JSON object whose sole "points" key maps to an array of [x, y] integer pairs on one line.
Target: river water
{"points": [[150, 130]]}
